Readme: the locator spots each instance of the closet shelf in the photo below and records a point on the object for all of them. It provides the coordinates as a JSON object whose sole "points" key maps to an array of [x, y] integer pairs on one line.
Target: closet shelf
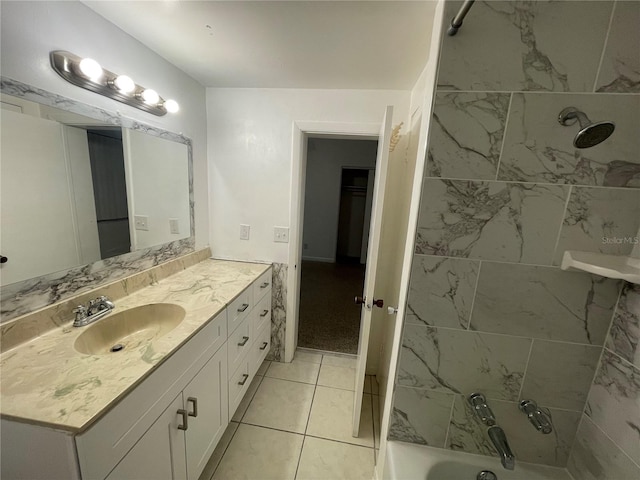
{"points": [[612, 266]]}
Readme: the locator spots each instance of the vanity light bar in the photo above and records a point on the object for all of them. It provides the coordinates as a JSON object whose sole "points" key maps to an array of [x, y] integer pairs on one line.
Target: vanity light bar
{"points": [[88, 74]]}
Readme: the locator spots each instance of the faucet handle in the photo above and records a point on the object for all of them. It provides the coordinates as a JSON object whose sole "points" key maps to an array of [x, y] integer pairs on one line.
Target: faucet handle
{"points": [[537, 417], [481, 409], [81, 313]]}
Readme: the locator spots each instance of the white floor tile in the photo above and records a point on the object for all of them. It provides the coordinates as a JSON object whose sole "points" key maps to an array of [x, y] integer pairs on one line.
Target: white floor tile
{"points": [[280, 404], [260, 453], [308, 356], [214, 461], [263, 368], [296, 371], [337, 377], [246, 400], [331, 417], [339, 361], [324, 459]]}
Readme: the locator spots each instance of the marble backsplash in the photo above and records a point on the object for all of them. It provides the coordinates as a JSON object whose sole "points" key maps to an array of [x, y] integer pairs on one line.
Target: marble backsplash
{"points": [[505, 193], [33, 324]]}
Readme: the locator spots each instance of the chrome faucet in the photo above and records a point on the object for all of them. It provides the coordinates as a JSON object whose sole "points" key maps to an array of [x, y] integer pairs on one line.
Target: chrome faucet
{"points": [[537, 417], [499, 440], [497, 436], [95, 310]]}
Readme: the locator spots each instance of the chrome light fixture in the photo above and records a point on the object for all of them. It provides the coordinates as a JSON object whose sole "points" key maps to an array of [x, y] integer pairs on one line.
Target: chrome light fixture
{"points": [[88, 74]]}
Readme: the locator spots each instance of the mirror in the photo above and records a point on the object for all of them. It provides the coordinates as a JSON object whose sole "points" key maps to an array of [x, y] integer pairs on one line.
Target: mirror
{"points": [[76, 190]]}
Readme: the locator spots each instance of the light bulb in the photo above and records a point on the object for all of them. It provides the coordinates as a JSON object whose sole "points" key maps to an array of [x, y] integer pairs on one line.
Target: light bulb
{"points": [[171, 106], [90, 68], [150, 96], [124, 84]]}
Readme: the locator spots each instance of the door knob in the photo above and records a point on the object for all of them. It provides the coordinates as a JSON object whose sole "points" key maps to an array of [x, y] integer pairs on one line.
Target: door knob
{"points": [[378, 303], [359, 300]]}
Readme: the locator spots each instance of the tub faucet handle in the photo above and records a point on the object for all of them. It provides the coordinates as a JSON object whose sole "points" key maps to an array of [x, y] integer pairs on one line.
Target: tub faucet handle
{"points": [[481, 409], [537, 417]]}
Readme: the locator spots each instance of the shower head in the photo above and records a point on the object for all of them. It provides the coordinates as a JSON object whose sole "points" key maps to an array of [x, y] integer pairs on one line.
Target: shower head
{"points": [[590, 133]]}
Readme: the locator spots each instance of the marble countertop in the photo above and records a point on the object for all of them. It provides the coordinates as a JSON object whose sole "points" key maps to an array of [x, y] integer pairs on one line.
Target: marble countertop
{"points": [[46, 382]]}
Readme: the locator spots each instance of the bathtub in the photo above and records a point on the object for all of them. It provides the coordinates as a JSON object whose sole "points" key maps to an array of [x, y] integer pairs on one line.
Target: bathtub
{"points": [[406, 461]]}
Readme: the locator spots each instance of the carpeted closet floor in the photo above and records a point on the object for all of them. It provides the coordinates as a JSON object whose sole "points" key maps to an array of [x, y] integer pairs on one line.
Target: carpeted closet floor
{"points": [[329, 319]]}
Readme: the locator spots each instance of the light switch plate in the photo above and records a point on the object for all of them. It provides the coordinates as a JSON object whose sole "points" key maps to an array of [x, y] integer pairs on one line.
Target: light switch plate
{"points": [[174, 227], [281, 234], [141, 222], [244, 232]]}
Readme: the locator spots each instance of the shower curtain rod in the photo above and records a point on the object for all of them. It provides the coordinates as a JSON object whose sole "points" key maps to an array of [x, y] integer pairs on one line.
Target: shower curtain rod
{"points": [[456, 23]]}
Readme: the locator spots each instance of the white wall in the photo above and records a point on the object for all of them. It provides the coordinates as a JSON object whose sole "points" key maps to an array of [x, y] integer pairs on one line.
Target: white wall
{"points": [[249, 144], [30, 30], [325, 160]]}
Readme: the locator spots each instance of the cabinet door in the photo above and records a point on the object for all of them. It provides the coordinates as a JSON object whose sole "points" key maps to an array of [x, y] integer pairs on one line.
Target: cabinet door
{"points": [[159, 454], [207, 403]]}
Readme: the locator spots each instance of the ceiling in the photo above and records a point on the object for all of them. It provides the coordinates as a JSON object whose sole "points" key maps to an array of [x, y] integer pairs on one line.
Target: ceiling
{"points": [[284, 44]]}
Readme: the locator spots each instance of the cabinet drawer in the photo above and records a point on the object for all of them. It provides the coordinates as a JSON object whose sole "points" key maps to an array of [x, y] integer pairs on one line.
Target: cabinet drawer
{"points": [[239, 309], [262, 286], [262, 314], [239, 344], [239, 383], [260, 349]]}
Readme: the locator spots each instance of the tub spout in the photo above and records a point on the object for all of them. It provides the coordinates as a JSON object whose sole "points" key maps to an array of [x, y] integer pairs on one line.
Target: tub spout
{"points": [[499, 440]]}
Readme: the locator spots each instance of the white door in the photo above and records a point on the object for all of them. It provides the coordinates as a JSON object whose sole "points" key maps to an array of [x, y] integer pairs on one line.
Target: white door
{"points": [[375, 228]]}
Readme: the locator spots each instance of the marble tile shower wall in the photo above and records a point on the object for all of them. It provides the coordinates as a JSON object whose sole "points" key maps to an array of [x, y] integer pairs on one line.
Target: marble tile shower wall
{"points": [[505, 194]]}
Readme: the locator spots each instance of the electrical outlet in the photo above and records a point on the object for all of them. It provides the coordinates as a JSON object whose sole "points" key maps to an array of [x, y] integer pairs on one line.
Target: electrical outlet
{"points": [[244, 232], [141, 222], [173, 226], [281, 234]]}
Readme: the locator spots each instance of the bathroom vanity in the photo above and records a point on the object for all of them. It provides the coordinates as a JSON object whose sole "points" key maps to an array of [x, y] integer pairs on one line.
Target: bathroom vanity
{"points": [[154, 409]]}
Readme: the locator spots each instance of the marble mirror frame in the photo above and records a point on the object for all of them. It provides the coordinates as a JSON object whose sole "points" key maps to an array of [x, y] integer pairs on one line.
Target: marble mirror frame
{"points": [[28, 295]]}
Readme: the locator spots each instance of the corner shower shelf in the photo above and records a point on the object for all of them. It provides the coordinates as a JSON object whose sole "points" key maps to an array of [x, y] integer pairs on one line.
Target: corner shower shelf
{"points": [[612, 266]]}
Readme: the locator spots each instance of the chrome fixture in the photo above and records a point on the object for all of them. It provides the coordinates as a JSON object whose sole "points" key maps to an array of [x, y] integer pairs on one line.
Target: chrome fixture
{"points": [[537, 417], [590, 134], [497, 436], [88, 74], [456, 22], [486, 475], [481, 409], [499, 440], [95, 310]]}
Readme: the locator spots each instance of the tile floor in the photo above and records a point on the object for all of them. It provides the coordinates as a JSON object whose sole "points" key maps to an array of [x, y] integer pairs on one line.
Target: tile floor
{"points": [[295, 423]]}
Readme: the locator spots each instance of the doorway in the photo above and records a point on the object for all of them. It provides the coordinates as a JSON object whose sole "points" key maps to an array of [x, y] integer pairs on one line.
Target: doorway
{"points": [[337, 211]]}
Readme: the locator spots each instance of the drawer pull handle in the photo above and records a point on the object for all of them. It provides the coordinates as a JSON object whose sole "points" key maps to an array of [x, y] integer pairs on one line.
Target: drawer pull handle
{"points": [[194, 401], [243, 342], [244, 379], [185, 421], [264, 313], [264, 285], [264, 345], [243, 307]]}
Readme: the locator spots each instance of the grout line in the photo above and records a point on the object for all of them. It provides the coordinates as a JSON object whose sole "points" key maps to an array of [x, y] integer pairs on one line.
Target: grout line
{"points": [[623, 360], [293, 381], [526, 368], [373, 424], [446, 437], [340, 441], [612, 441], [473, 299], [503, 262], [564, 215], [604, 48], [526, 182], [537, 92], [306, 426], [272, 428], [295, 475], [504, 134]]}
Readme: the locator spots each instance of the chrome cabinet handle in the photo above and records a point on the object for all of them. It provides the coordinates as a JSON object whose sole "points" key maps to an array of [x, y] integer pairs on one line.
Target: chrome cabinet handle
{"points": [[264, 313], [264, 345], [243, 307], [244, 379], [185, 420], [264, 285], [194, 401], [243, 342]]}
